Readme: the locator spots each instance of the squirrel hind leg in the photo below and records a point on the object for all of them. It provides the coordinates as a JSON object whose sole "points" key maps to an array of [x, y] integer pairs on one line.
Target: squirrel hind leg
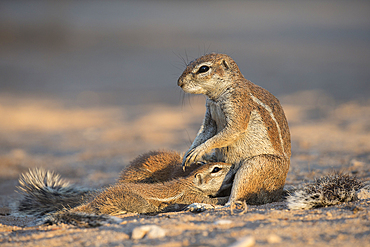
{"points": [[260, 180], [44, 192]]}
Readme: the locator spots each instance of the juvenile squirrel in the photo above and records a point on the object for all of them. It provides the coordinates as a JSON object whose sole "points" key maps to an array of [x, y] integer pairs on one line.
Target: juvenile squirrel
{"points": [[200, 186], [244, 125], [45, 192]]}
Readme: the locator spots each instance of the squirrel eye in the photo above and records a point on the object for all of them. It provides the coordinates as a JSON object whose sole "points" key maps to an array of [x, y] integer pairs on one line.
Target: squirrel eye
{"points": [[216, 169], [203, 69]]}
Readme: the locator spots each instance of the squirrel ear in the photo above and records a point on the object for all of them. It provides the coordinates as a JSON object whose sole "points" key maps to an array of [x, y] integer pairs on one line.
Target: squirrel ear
{"points": [[201, 163], [198, 180], [224, 63]]}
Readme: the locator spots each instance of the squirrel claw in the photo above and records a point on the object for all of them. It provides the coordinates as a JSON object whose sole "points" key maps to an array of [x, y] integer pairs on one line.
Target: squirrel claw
{"points": [[193, 156], [236, 205]]}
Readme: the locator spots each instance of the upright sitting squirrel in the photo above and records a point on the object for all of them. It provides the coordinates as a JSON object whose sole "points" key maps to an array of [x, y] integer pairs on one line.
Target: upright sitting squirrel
{"points": [[244, 125]]}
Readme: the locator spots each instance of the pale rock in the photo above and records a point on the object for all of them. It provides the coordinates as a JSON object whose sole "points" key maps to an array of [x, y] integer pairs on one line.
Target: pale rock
{"points": [[149, 231], [199, 207], [223, 222], [244, 242], [274, 239], [363, 193]]}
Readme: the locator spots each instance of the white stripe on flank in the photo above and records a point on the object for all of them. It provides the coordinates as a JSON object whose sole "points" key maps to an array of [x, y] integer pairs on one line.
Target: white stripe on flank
{"points": [[255, 99], [166, 199]]}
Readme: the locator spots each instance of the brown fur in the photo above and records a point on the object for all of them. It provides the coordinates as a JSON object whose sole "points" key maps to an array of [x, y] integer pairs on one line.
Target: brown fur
{"points": [[155, 167], [244, 125]]}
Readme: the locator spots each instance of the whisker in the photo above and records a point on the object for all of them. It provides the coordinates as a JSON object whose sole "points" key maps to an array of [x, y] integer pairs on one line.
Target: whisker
{"points": [[208, 48], [181, 58], [187, 58]]}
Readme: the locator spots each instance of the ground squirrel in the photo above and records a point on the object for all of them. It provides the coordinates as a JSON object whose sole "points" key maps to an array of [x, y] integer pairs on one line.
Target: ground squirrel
{"points": [[199, 186], [45, 192], [244, 125]]}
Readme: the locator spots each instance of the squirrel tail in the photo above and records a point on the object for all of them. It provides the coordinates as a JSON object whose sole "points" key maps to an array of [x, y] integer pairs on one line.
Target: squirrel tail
{"points": [[45, 192], [326, 191]]}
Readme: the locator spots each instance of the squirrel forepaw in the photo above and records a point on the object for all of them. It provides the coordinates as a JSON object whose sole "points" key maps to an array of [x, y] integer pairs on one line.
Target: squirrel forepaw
{"points": [[193, 156]]}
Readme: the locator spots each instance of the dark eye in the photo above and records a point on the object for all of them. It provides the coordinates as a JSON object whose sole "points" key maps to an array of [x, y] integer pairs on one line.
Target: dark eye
{"points": [[216, 169], [203, 69]]}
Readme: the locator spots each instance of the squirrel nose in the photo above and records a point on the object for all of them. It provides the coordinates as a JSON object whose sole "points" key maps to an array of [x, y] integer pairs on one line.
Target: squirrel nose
{"points": [[180, 82]]}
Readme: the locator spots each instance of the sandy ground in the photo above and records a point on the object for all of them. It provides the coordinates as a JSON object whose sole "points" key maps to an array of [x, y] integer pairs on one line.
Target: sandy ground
{"points": [[87, 86], [89, 147]]}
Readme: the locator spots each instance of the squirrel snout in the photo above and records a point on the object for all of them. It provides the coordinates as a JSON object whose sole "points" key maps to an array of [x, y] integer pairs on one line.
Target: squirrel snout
{"points": [[180, 82]]}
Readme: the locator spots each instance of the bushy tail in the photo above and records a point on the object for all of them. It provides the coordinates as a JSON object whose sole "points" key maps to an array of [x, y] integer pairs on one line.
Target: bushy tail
{"points": [[326, 191], [44, 192]]}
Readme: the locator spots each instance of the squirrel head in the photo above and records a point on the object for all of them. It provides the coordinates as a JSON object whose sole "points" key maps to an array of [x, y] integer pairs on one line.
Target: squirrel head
{"points": [[211, 75], [212, 178]]}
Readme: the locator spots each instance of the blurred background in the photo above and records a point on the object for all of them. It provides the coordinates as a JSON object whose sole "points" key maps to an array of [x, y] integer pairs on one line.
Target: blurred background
{"points": [[85, 86], [72, 50]]}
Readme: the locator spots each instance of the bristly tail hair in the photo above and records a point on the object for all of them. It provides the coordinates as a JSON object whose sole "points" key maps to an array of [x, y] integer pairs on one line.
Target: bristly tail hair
{"points": [[45, 192], [329, 190]]}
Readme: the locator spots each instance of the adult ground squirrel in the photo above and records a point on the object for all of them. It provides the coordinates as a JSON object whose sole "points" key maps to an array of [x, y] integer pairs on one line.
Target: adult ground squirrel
{"points": [[244, 125], [45, 192]]}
